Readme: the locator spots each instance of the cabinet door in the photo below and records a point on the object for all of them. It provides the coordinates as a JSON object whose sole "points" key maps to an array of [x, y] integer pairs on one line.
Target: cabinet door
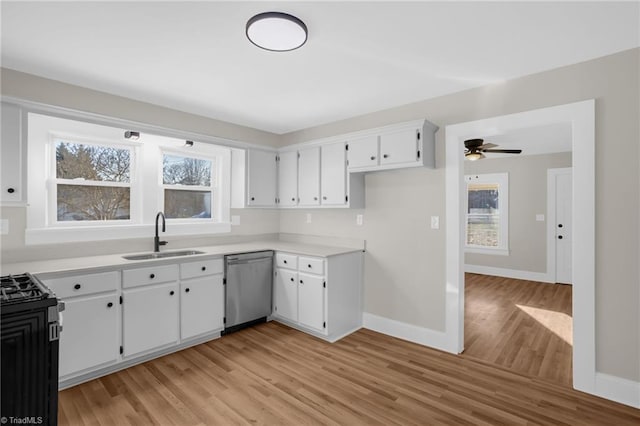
{"points": [[311, 301], [309, 176], [261, 178], [150, 317], [399, 146], [363, 152], [201, 305], [333, 174], [11, 151], [91, 333], [286, 294], [288, 179]]}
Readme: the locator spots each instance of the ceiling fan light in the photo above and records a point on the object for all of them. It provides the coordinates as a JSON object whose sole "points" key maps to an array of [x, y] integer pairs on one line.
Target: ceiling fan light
{"points": [[473, 156], [276, 31]]}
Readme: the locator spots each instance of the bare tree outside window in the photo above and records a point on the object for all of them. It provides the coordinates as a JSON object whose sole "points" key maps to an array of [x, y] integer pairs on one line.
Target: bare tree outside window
{"points": [[92, 182], [188, 187]]}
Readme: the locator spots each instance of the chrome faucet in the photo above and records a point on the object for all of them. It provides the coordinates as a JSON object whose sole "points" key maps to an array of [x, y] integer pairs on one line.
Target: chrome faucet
{"points": [[156, 241]]}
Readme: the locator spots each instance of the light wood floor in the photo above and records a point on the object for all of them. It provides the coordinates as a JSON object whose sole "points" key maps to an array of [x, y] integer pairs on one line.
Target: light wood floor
{"points": [[272, 374], [522, 325]]}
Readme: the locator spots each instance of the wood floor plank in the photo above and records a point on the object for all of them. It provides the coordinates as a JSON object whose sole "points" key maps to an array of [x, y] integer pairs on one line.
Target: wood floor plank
{"points": [[522, 325], [271, 374]]}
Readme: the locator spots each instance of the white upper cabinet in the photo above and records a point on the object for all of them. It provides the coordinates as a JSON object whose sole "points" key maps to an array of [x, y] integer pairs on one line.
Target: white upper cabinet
{"points": [[13, 188], [309, 176], [402, 146], [363, 152], [288, 179], [333, 174], [261, 178]]}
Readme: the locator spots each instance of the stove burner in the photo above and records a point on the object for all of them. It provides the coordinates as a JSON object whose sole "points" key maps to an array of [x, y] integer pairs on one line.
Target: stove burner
{"points": [[21, 288]]}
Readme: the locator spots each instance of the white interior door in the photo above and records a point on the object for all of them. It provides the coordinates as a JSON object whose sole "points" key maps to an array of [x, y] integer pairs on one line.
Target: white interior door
{"points": [[562, 223]]}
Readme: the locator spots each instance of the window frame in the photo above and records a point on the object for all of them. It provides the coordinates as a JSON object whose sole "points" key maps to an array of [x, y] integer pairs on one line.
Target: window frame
{"points": [[53, 181], [212, 188], [502, 180], [43, 128]]}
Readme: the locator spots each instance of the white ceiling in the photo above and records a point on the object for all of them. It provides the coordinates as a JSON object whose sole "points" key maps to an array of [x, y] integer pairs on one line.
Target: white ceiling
{"points": [[547, 139], [360, 57]]}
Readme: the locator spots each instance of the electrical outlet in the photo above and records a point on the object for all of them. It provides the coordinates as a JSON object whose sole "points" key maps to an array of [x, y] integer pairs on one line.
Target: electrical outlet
{"points": [[540, 217], [235, 220], [435, 222], [359, 219], [4, 226], [308, 217]]}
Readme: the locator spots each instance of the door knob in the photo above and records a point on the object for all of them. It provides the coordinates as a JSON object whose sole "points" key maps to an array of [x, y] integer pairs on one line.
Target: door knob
{"points": [[559, 225], [559, 237]]}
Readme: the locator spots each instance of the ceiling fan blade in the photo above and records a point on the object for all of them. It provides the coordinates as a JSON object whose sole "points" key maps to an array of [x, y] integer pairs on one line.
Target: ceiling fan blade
{"points": [[488, 145], [504, 151]]}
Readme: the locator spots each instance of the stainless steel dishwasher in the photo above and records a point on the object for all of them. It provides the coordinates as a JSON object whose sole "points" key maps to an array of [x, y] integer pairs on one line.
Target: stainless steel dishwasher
{"points": [[249, 280]]}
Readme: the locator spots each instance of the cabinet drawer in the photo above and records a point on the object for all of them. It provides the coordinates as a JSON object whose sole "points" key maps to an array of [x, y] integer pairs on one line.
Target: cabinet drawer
{"points": [[284, 260], [311, 265], [80, 285], [150, 275], [202, 268]]}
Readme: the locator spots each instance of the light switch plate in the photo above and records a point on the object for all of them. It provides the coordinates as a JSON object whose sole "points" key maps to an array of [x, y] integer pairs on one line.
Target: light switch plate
{"points": [[359, 219], [235, 220], [435, 222], [539, 218], [308, 217], [4, 226]]}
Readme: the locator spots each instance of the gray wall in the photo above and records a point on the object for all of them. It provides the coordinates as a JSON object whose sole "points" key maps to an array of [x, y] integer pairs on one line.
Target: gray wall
{"points": [[404, 265], [405, 260], [527, 197]]}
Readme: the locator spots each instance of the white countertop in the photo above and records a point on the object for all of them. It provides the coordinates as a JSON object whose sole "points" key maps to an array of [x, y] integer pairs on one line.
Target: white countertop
{"points": [[115, 261]]}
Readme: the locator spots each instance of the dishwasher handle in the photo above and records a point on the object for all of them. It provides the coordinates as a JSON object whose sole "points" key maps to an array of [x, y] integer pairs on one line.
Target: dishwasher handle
{"points": [[237, 261]]}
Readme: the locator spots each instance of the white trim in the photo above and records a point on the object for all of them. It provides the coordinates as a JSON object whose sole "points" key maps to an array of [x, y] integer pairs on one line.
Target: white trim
{"points": [[405, 331], [509, 273], [486, 250], [581, 116], [618, 389], [551, 219]]}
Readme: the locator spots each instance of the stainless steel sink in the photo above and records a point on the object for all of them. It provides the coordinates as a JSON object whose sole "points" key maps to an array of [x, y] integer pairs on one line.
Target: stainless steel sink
{"points": [[161, 255]]}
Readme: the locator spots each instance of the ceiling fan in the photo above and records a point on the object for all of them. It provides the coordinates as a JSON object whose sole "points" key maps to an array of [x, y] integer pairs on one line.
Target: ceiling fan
{"points": [[474, 149]]}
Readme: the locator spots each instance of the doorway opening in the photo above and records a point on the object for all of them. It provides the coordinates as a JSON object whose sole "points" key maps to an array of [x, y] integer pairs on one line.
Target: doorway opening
{"points": [[580, 117], [514, 317]]}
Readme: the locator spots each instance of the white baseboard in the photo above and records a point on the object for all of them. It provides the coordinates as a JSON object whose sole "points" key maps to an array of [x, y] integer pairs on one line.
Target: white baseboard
{"points": [[410, 332], [509, 273], [617, 389]]}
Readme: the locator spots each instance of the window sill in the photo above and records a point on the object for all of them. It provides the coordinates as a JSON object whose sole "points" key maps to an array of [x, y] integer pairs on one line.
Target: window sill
{"points": [[72, 234], [485, 250]]}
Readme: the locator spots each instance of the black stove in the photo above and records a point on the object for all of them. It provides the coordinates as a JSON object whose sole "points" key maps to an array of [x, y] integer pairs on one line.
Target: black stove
{"points": [[21, 288], [29, 332]]}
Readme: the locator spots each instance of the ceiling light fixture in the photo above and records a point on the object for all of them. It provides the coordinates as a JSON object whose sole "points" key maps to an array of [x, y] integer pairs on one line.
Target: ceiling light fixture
{"points": [[473, 155], [276, 31], [134, 136]]}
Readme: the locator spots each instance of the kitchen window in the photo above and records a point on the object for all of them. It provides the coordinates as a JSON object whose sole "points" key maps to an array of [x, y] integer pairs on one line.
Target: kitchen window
{"points": [[92, 181], [188, 186], [487, 213], [88, 182]]}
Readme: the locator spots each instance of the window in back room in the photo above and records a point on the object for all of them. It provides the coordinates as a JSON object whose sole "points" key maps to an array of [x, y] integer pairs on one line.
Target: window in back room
{"points": [[487, 215]]}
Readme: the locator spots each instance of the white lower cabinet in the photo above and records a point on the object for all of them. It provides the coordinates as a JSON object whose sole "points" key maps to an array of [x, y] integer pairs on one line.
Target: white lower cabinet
{"points": [[91, 333], [285, 291], [201, 306], [322, 296], [90, 337], [311, 301], [150, 317]]}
